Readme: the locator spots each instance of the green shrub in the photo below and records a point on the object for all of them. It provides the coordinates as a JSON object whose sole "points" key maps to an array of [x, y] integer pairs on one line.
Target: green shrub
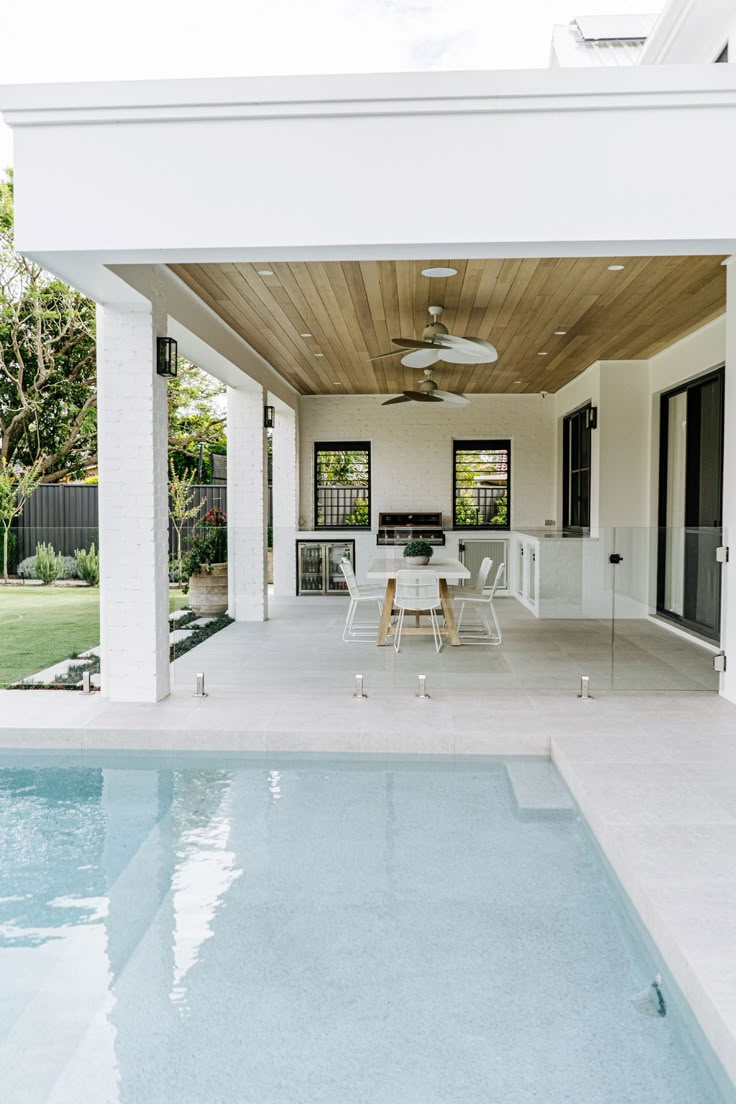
{"points": [[88, 565], [419, 548], [27, 568], [49, 564]]}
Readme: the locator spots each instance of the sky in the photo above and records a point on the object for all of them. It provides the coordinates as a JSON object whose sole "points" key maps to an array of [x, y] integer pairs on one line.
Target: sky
{"points": [[141, 39]]}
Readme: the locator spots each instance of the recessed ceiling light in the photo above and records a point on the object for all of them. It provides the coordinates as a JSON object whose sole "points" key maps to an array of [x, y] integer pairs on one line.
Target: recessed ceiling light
{"points": [[560, 333], [305, 335], [264, 272], [337, 383], [518, 381], [542, 354], [439, 273], [615, 268], [319, 354]]}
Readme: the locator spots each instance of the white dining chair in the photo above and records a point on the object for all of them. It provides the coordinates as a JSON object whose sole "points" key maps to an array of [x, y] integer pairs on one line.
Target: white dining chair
{"points": [[489, 630], [365, 634], [418, 592], [457, 590]]}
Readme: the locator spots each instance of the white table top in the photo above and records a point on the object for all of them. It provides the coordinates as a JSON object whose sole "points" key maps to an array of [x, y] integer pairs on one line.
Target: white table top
{"points": [[386, 567]]}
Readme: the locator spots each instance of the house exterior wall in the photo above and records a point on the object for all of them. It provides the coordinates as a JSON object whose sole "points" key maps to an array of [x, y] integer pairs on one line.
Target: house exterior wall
{"points": [[411, 449]]}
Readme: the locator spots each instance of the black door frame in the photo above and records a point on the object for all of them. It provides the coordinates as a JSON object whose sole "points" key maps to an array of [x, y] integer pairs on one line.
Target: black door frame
{"points": [[588, 428], [715, 375]]}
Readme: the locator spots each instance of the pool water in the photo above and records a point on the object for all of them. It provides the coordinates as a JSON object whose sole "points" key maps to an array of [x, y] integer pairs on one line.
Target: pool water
{"points": [[314, 931]]}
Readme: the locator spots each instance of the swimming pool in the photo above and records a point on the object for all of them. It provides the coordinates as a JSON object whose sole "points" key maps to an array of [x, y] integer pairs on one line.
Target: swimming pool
{"points": [[248, 930]]}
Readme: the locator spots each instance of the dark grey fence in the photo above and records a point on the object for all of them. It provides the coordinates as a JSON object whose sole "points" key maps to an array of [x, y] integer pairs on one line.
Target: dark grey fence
{"points": [[65, 515]]}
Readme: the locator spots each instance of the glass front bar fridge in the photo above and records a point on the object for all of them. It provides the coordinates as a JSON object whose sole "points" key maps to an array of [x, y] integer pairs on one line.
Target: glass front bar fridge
{"points": [[318, 566]]}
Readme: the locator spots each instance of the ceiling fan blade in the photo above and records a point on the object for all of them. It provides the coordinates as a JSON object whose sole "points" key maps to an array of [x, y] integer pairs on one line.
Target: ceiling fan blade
{"points": [[382, 356], [422, 396], [421, 358], [398, 399], [474, 350], [410, 343], [457, 356], [453, 398]]}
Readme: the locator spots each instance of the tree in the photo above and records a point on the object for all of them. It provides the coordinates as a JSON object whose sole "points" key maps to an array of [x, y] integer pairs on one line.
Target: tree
{"points": [[48, 396], [182, 507], [16, 487], [196, 417], [47, 364]]}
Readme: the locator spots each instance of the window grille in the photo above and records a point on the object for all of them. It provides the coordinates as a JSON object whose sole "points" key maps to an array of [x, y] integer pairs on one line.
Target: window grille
{"points": [[342, 485], [481, 484]]}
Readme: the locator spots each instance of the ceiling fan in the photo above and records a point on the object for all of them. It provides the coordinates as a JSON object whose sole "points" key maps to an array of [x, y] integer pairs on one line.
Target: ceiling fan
{"points": [[438, 344], [429, 392]]}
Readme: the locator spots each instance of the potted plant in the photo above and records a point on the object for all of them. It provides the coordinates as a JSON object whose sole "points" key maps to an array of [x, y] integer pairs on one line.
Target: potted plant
{"points": [[205, 566], [418, 552]]}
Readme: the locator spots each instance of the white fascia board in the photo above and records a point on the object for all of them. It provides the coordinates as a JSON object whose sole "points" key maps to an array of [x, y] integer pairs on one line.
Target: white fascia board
{"points": [[355, 94]]}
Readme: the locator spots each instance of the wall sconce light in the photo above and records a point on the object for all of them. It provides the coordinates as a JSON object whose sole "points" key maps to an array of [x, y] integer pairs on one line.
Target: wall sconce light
{"points": [[269, 415], [166, 357], [593, 417]]}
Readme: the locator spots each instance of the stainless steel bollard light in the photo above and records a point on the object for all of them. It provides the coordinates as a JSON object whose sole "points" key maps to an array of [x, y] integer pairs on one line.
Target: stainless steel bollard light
{"points": [[86, 682], [422, 693], [359, 693], [199, 690], [584, 687]]}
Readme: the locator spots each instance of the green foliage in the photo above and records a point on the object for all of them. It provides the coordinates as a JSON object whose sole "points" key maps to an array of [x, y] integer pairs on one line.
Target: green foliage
{"points": [[360, 515], [196, 416], [16, 485], [49, 564], [182, 506], [47, 364], [466, 512], [204, 550], [501, 516], [88, 565], [419, 548], [27, 568]]}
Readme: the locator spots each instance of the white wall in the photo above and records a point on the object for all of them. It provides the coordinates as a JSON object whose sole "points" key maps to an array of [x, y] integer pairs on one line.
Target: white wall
{"points": [[112, 147], [411, 449]]}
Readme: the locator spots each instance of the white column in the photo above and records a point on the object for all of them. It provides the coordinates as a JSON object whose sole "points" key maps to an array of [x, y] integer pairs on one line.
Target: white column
{"points": [[247, 505], [728, 594], [285, 501], [133, 508]]}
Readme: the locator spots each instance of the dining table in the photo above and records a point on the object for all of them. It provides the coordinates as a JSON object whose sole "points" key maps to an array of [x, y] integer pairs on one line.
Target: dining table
{"points": [[385, 569]]}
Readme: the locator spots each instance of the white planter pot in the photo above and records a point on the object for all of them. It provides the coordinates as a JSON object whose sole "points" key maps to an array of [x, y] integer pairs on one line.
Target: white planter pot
{"points": [[416, 561]]}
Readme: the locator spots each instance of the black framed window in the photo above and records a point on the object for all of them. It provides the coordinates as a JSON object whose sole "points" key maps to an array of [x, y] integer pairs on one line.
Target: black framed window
{"points": [[481, 489], [342, 485], [576, 452]]}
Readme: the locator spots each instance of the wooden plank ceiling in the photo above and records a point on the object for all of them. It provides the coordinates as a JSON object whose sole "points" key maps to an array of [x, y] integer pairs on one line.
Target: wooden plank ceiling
{"points": [[319, 323]]}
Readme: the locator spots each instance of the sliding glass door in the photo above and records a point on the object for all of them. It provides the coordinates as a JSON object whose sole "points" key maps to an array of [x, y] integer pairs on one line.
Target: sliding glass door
{"points": [[690, 494]]}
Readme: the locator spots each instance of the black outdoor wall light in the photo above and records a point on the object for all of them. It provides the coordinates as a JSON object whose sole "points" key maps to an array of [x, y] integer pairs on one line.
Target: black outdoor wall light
{"points": [[268, 417], [166, 357]]}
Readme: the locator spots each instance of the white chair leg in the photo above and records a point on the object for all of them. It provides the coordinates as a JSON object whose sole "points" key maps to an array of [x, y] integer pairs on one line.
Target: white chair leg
{"points": [[436, 630], [349, 621], [499, 634], [460, 618], [397, 636]]}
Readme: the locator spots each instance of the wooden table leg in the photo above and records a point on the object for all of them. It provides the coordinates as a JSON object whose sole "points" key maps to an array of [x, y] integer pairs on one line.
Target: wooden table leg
{"points": [[452, 633], [388, 605]]}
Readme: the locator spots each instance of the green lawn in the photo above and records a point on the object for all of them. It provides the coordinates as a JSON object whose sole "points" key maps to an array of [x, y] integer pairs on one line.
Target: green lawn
{"points": [[42, 625]]}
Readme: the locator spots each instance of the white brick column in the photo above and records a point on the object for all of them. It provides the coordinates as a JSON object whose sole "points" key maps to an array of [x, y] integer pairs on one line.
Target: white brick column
{"points": [[133, 509], [285, 501], [247, 505], [728, 594]]}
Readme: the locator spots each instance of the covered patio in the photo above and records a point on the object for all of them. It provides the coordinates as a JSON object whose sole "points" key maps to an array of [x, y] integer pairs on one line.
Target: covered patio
{"points": [[601, 302]]}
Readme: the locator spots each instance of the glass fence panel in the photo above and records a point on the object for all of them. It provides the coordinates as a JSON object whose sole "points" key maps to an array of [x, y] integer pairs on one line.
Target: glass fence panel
{"points": [[667, 601]]}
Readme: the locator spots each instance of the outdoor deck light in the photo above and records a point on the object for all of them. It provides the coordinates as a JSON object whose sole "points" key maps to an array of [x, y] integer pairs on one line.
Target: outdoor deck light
{"points": [[269, 415], [166, 357]]}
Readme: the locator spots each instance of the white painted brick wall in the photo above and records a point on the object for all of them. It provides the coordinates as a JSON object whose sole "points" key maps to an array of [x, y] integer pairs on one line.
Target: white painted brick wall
{"points": [[132, 444], [247, 504], [411, 450], [285, 501]]}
